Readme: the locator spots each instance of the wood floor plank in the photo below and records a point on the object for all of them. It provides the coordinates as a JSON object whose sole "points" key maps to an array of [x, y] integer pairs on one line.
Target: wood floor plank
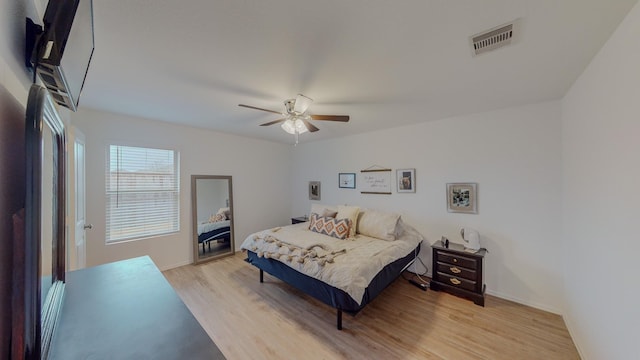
{"points": [[250, 320]]}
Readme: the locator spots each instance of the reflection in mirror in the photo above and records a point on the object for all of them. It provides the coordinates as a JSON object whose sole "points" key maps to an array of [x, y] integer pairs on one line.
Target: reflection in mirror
{"points": [[212, 212], [47, 192]]}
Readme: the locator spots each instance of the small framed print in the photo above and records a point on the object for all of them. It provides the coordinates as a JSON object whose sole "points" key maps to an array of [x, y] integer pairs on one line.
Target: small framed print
{"points": [[314, 190], [347, 180], [462, 198], [406, 180]]}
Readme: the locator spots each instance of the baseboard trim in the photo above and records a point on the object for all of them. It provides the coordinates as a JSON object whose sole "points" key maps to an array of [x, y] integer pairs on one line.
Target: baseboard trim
{"points": [[567, 323], [173, 266], [535, 305]]}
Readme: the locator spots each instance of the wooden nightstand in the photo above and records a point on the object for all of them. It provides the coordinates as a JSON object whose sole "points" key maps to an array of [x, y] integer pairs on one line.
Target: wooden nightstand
{"points": [[299, 219], [458, 272]]}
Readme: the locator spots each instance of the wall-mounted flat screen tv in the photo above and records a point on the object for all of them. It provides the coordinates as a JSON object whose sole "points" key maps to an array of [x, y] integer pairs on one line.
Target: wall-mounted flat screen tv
{"points": [[65, 48]]}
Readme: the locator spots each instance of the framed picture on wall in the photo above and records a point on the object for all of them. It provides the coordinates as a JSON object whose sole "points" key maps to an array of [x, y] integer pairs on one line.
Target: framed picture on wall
{"points": [[406, 180], [376, 181], [347, 180], [314, 190], [462, 198]]}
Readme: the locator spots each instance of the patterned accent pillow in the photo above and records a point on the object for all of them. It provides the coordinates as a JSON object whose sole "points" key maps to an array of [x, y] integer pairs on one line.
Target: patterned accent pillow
{"points": [[338, 229]]}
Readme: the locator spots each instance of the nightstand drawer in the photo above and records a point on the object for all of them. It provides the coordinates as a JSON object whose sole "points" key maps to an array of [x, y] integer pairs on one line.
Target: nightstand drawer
{"points": [[457, 271], [457, 282], [457, 260]]}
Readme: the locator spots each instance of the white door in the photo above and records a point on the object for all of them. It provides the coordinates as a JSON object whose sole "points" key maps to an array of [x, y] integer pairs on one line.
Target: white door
{"points": [[81, 224]]}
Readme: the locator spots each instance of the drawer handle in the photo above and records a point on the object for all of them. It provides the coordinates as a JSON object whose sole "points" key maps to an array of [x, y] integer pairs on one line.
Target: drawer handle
{"points": [[455, 260], [455, 270], [455, 281]]}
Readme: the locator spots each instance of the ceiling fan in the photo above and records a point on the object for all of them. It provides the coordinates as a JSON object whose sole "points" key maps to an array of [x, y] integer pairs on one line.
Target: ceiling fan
{"points": [[296, 120]]}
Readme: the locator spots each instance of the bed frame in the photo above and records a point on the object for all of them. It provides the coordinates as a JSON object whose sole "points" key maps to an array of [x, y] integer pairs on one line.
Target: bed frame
{"points": [[223, 233], [328, 294]]}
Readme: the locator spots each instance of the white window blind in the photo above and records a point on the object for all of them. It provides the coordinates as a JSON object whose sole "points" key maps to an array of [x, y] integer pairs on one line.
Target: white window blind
{"points": [[143, 193]]}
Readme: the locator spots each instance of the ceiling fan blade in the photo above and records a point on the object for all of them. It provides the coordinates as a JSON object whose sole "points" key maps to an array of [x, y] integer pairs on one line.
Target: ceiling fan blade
{"points": [[273, 122], [309, 126], [343, 118], [257, 108], [302, 104]]}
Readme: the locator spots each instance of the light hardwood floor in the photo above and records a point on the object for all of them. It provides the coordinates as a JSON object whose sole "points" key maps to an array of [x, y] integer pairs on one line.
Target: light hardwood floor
{"points": [[250, 320]]}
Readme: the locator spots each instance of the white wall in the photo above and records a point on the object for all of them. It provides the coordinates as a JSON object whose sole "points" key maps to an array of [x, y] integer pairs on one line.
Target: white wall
{"points": [[13, 73], [601, 150], [213, 194], [260, 171], [513, 155]]}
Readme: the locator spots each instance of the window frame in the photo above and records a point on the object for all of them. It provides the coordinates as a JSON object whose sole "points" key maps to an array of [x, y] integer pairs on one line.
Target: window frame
{"points": [[109, 193]]}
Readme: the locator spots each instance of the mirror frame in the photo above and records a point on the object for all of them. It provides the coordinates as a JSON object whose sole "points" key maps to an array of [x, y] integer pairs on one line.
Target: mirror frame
{"points": [[194, 217], [33, 330]]}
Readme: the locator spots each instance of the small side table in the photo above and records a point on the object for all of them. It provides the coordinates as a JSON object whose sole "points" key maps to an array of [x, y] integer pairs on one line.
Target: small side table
{"points": [[458, 272], [299, 219]]}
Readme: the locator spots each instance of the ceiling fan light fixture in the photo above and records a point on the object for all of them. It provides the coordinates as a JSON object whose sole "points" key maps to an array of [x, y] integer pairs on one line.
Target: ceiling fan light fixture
{"points": [[300, 126], [296, 121], [288, 126], [301, 104], [293, 126], [289, 105]]}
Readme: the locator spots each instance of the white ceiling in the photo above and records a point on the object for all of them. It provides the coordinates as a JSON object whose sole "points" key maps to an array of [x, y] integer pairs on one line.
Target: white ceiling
{"points": [[384, 63]]}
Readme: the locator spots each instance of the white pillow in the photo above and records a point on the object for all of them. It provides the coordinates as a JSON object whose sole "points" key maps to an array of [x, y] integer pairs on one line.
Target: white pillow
{"points": [[378, 224], [323, 210], [351, 213]]}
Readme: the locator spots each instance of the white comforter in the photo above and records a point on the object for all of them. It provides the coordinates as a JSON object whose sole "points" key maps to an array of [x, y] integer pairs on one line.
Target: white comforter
{"points": [[355, 262], [209, 226]]}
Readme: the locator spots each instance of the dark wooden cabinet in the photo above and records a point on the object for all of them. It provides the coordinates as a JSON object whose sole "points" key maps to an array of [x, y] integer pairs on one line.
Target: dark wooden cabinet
{"points": [[299, 219], [127, 310], [458, 272]]}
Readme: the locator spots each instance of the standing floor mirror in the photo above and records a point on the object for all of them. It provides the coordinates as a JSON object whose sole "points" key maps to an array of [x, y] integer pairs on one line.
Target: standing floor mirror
{"points": [[212, 212]]}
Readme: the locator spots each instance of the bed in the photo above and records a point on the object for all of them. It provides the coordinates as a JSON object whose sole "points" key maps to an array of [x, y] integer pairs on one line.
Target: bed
{"points": [[346, 273], [213, 231]]}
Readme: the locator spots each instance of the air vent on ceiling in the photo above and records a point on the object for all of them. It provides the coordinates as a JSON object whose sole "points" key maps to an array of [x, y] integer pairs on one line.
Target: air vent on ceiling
{"points": [[492, 39]]}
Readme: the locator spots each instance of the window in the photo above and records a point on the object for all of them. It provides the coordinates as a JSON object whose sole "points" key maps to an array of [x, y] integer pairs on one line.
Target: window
{"points": [[143, 193]]}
